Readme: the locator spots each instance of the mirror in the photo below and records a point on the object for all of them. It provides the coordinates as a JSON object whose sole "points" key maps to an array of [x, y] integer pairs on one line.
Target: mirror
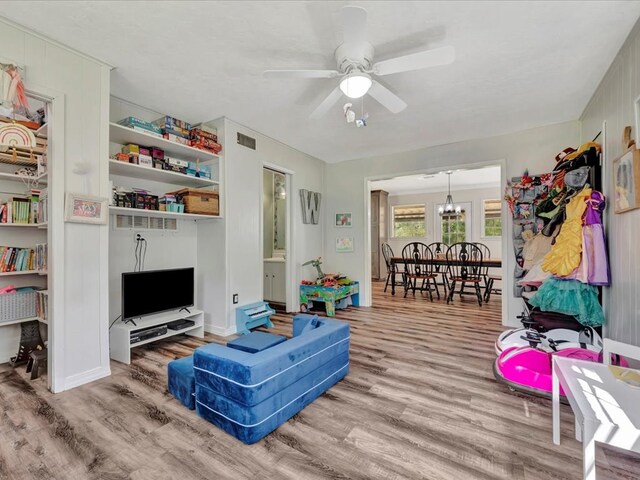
{"points": [[279, 211]]}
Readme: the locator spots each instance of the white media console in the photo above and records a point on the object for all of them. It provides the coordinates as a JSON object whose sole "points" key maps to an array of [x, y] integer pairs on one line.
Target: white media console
{"points": [[120, 333]]}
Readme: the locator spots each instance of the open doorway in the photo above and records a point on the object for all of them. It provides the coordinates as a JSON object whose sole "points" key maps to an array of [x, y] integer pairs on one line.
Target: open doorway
{"points": [[437, 209], [275, 239]]}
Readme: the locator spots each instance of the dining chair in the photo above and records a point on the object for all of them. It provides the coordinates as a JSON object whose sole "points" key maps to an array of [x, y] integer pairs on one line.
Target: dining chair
{"points": [[439, 251], [418, 264], [489, 278], [484, 270], [387, 253], [464, 266]]}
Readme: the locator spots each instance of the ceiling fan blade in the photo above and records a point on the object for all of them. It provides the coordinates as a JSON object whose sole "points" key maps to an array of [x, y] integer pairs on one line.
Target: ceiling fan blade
{"points": [[416, 61], [300, 73], [327, 103], [354, 24], [386, 98]]}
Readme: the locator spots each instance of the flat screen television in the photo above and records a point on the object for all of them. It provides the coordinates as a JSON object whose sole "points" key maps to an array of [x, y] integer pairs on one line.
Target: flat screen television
{"points": [[156, 291]]}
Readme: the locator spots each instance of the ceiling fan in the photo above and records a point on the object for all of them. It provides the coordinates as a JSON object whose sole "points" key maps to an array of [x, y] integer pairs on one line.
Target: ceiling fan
{"points": [[354, 58]]}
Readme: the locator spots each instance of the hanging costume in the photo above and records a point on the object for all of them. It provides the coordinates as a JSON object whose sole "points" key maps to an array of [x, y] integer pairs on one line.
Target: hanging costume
{"points": [[594, 266], [564, 256], [570, 297]]}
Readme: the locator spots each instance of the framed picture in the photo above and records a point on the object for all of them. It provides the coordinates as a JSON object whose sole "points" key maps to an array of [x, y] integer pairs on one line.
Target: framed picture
{"points": [[626, 181], [343, 220], [344, 244], [85, 209]]}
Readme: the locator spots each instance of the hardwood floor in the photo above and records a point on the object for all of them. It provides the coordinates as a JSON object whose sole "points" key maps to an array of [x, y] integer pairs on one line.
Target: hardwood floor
{"points": [[420, 401]]}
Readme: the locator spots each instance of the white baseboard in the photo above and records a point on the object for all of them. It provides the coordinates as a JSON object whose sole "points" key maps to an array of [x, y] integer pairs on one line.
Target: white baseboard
{"points": [[221, 332], [86, 377]]}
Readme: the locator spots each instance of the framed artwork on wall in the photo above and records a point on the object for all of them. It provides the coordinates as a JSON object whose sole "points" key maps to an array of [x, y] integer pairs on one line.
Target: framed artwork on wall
{"points": [[344, 244], [626, 181], [86, 209], [343, 220]]}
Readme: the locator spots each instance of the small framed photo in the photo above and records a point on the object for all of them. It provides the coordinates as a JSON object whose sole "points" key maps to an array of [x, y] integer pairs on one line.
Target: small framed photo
{"points": [[344, 244], [86, 209], [626, 181], [343, 220]]}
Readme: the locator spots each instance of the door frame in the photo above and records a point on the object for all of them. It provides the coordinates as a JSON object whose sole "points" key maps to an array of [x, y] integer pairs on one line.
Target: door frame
{"points": [[366, 290], [290, 230]]}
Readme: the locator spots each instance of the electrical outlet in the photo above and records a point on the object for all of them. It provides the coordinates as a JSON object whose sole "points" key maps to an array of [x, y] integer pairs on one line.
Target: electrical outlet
{"points": [[235, 298]]}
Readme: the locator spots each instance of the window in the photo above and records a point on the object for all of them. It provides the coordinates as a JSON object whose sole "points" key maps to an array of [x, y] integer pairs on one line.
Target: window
{"points": [[453, 228], [408, 221], [491, 218]]}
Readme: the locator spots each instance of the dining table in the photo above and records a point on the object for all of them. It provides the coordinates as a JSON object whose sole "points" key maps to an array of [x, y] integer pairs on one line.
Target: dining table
{"points": [[437, 262]]}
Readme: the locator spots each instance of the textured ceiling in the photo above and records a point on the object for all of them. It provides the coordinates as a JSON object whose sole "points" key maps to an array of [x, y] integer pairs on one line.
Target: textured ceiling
{"points": [[487, 177], [519, 64]]}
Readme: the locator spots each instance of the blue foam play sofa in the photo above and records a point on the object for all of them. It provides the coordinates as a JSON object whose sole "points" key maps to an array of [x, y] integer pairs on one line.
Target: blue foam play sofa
{"points": [[249, 395]]}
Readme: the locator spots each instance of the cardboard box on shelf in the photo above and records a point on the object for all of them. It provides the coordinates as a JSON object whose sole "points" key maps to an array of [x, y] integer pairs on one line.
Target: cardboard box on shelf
{"points": [[136, 123], [168, 122]]}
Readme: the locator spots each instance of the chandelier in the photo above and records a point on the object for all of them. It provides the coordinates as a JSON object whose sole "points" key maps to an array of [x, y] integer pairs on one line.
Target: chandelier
{"points": [[449, 207]]}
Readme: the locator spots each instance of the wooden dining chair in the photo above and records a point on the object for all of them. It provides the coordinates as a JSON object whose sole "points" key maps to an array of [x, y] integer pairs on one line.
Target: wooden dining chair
{"points": [[439, 251], [484, 270], [464, 266], [489, 278], [387, 253], [419, 273]]}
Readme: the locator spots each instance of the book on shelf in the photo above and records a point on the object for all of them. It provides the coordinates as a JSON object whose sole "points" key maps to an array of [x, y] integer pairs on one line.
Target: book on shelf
{"points": [[40, 262], [18, 259], [42, 305], [25, 210]]}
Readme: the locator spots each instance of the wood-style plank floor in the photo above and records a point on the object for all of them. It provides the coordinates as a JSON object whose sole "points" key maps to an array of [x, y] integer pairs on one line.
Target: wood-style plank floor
{"points": [[420, 402]]}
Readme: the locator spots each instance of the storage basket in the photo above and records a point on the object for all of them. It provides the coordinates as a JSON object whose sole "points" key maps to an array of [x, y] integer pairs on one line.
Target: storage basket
{"points": [[203, 202], [19, 305]]}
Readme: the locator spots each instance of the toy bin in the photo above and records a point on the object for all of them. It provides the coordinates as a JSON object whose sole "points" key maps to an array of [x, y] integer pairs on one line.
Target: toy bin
{"points": [[18, 305], [203, 202]]}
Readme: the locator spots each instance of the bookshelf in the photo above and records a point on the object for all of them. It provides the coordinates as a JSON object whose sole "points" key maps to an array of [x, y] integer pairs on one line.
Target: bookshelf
{"points": [[159, 181], [124, 135], [14, 184]]}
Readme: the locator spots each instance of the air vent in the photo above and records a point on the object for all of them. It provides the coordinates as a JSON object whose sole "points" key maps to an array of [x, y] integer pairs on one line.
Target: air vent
{"points": [[128, 222], [124, 222], [171, 224], [156, 223], [141, 223], [246, 141]]}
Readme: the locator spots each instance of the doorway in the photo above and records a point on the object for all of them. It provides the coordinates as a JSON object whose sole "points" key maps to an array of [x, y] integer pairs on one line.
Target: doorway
{"points": [[275, 236], [417, 210]]}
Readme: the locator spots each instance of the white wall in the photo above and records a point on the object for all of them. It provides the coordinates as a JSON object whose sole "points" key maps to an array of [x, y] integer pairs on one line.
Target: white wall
{"points": [[164, 250], [534, 149], [238, 238], [432, 199], [79, 252], [613, 103]]}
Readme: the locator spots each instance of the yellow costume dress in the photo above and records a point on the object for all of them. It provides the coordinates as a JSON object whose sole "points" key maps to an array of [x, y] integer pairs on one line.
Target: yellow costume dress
{"points": [[564, 256]]}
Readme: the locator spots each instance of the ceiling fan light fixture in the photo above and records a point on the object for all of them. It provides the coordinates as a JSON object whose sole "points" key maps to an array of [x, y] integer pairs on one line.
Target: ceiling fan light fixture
{"points": [[356, 84]]}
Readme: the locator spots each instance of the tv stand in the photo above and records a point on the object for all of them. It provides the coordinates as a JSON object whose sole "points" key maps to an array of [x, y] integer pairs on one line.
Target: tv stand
{"points": [[120, 334], [185, 309], [130, 320]]}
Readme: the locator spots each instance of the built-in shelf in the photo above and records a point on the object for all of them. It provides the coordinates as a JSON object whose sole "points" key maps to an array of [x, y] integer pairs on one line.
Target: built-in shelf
{"points": [[136, 212], [23, 178], [23, 320], [165, 176], [24, 272], [125, 135], [24, 225]]}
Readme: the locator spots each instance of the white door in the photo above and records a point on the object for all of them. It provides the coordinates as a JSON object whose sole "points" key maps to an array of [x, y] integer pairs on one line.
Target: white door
{"points": [[266, 285], [278, 283]]}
